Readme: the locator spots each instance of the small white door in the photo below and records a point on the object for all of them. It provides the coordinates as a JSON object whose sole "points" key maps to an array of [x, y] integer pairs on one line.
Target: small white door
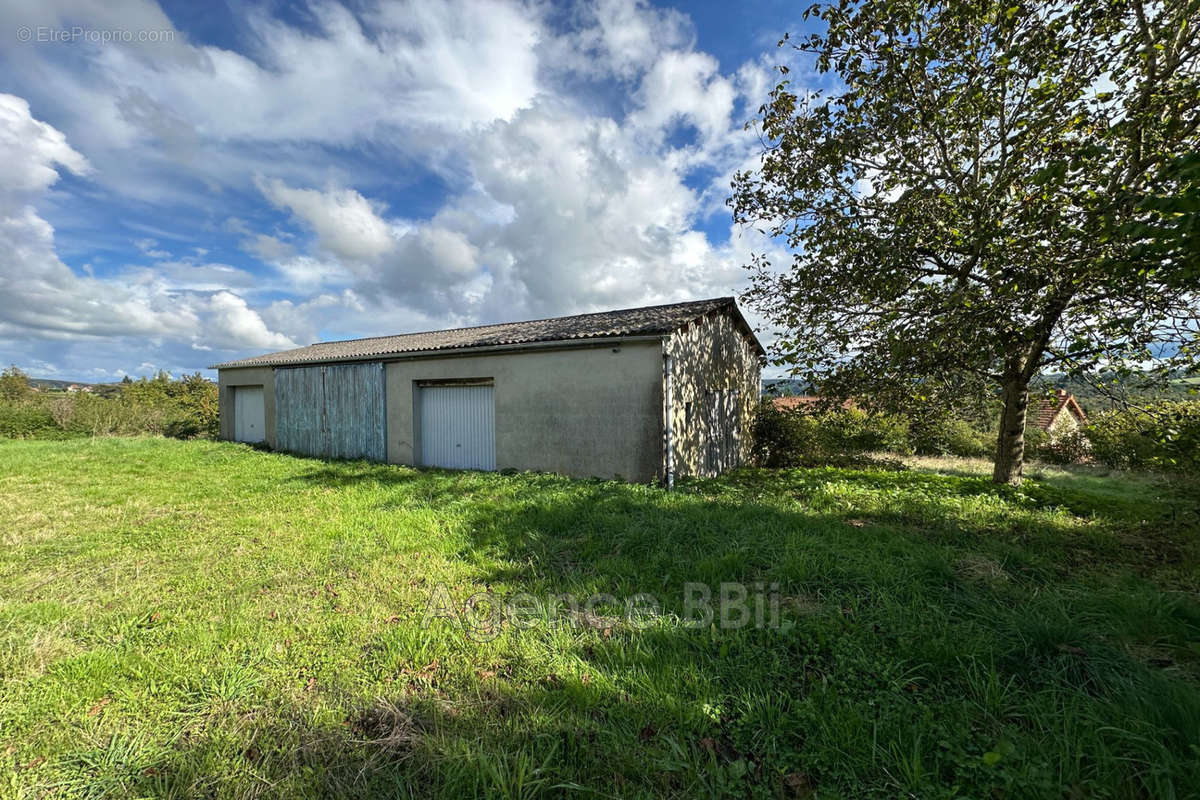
{"points": [[457, 426], [249, 414]]}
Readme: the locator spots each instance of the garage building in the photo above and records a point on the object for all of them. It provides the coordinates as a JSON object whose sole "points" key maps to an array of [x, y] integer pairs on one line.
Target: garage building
{"points": [[640, 394]]}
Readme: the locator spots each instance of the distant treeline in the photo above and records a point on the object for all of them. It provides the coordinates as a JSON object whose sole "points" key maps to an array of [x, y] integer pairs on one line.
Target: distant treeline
{"points": [[183, 408], [1093, 400]]}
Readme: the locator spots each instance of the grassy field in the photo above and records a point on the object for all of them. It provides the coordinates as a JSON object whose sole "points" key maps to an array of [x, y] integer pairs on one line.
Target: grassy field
{"points": [[198, 619]]}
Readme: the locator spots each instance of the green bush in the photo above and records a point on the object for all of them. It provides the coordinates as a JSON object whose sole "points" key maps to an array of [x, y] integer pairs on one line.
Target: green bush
{"points": [[780, 438], [944, 435], [14, 386], [1166, 436], [851, 430], [185, 408], [1036, 440], [1069, 447], [804, 437], [103, 416], [184, 427], [26, 420], [964, 439]]}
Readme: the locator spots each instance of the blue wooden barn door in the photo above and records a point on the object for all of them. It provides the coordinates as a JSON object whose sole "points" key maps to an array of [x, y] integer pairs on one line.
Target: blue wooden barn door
{"points": [[335, 411], [354, 411]]}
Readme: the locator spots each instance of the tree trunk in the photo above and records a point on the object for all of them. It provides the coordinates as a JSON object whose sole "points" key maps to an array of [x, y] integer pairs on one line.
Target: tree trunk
{"points": [[1010, 444]]}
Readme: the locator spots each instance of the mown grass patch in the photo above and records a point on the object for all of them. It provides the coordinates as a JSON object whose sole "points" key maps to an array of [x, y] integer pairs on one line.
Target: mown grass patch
{"points": [[183, 619]]}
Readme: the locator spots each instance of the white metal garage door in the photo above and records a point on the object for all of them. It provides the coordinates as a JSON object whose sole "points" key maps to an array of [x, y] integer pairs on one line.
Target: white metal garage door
{"points": [[457, 426], [249, 414]]}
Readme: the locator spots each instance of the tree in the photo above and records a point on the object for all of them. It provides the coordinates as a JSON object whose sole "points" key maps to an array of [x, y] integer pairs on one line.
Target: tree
{"points": [[15, 385], [988, 192]]}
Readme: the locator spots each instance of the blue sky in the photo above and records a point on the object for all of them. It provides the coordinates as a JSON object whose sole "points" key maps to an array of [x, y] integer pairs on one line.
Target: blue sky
{"points": [[236, 178]]}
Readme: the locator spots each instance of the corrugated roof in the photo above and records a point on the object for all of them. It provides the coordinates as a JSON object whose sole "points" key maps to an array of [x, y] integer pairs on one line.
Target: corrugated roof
{"points": [[650, 320]]}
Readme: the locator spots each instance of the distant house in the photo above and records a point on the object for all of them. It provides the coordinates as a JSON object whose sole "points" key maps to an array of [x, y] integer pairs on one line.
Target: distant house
{"points": [[1056, 415], [639, 393], [804, 402]]}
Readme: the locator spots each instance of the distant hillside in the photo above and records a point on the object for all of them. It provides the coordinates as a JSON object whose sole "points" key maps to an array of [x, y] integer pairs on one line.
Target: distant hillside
{"points": [[1094, 400], [56, 385], [782, 387]]}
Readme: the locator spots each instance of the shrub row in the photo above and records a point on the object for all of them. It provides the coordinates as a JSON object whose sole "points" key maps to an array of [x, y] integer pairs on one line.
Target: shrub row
{"points": [[944, 435], [795, 438], [1163, 437], [185, 408]]}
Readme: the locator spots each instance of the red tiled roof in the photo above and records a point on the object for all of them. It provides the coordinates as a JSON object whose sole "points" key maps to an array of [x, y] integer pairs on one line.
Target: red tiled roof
{"points": [[1043, 411]]}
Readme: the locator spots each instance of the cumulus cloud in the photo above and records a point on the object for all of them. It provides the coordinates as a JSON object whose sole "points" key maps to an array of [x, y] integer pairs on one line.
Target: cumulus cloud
{"points": [[32, 150], [46, 299], [304, 319], [686, 87], [410, 261], [233, 325], [564, 213], [545, 202], [345, 223], [441, 66], [562, 210], [432, 258], [620, 38]]}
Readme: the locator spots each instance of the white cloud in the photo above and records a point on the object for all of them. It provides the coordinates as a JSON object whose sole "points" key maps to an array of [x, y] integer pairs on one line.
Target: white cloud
{"points": [[191, 275], [265, 247], [31, 151], [234, 325], [303, 320], [345, 223], [686, 86], [620, 38], [304, 274], [444, 66], [149, 247], [433, 251], [356, 245], [46, 299], [572, 213], [563, 210], [546, 201]]}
